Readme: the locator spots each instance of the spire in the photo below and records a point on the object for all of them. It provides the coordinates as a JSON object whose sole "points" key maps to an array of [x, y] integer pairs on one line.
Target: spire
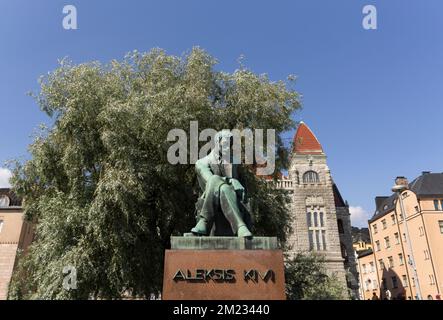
{"points": [[305, 141]]}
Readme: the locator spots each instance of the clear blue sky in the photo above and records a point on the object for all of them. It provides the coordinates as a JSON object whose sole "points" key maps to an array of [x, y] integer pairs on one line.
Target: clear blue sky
{"points": [[373, 98]]}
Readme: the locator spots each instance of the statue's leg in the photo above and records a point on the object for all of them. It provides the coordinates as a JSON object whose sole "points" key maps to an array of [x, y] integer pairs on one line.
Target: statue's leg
{"points": [[210, 203], [229, 206]]}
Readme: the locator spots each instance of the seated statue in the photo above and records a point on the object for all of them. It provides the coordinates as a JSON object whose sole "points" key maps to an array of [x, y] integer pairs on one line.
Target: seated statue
{"points": [[221, 208]]}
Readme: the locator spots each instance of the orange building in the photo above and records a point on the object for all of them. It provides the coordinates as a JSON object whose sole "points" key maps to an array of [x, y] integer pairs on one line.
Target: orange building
{"points": [[401, 242], [15, 236]]}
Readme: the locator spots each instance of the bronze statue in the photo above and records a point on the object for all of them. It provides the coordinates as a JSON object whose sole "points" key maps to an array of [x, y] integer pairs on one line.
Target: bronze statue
{"points": [[221, 208]]}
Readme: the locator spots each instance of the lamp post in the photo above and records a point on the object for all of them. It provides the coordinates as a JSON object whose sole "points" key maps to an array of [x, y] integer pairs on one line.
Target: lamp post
{"points": [[401, 184]]}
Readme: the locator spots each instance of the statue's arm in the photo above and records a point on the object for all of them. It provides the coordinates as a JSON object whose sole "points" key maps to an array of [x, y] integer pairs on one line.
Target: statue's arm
{"points": [[204, 172]]}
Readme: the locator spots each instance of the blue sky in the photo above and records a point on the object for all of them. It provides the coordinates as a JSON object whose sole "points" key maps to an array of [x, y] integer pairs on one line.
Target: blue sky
{"points": [[372, 97]]}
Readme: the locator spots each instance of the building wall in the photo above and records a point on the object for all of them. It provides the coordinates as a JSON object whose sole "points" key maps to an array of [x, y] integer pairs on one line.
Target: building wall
{"points": [[15, 236], [387, 270], [425, 239], [313, 196], [369, 283]]}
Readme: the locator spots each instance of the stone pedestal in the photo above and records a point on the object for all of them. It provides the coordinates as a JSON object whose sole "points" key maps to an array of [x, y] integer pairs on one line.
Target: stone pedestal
{"points": [[223, 268]]}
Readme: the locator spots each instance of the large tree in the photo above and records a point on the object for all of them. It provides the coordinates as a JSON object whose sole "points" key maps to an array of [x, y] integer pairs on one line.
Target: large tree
{"points": [[98, 184]]}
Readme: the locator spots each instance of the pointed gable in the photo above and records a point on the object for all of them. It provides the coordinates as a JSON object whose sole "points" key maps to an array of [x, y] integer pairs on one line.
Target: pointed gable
{"points": [[305, 141]]}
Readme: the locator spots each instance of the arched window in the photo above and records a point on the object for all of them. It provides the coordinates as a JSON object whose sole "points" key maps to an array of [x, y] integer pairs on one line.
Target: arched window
{"points": [[4, 201], [310, 177]]}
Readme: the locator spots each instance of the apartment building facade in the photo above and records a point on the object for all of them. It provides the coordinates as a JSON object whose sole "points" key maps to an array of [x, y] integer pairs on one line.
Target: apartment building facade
{"points": [[408, 244]]}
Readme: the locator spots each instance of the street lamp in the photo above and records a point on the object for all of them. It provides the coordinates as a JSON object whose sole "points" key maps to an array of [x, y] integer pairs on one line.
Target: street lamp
{"points": [[401, 184]]}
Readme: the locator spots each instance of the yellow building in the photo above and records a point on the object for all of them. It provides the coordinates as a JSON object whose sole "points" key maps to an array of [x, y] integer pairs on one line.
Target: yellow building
{"points": [[415, 238]]}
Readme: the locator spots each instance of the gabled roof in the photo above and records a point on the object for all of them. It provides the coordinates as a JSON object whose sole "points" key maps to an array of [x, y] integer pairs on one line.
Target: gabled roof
{"points": [[305, 141], [426, 185]]}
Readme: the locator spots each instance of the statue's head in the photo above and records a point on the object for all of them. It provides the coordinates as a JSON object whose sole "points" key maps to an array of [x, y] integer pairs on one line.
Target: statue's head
{"points": [[223, 144]]}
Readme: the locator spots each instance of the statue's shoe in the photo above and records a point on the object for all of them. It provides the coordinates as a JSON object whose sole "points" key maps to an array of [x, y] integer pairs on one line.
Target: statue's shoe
{"points": [[201, 228], [244, 232]]}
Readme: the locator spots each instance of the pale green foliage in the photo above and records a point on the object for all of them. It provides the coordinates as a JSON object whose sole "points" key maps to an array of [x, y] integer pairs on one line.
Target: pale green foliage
{"points": [[307, 279], [98, 184]]}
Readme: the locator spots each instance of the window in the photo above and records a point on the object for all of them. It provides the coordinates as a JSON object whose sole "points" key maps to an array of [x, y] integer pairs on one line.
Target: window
{"points": [[413, 281], [341, 230], [310, 177], [404, 237], [383, 222], [436, 205], [381, 264], [426, 252], [441, 202], [374, 227], [383, 283], [4, 201], [416, 209], [397, 238], [374, 284], [377, 245], [409, 260], [372, 266], [393, 219], [316, 228], [364, 268], [421, 231], [344, 252], [311, 239], [431, 280], [387, 243], [391, 262], [400, 259], [394, 282], [1, 225], [440, 223], [404, 280]]}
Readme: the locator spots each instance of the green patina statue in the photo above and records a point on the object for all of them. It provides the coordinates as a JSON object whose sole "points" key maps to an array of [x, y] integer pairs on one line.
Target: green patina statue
{"points": [[222, 206]]}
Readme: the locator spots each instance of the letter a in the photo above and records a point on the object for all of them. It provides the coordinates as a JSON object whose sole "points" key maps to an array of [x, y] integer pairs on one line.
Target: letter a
{"points": [[70, 21], [370, 20]]}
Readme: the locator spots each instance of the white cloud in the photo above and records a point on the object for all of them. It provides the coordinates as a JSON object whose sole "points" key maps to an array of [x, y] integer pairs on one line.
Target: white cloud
{"points": [[5, 174], [359, 216]]}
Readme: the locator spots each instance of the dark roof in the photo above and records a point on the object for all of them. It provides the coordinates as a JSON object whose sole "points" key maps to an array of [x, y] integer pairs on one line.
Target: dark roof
{"points": [[338, 199], [364, 253], [14, 200], [426, 185], [360, 234], [383, 206]]}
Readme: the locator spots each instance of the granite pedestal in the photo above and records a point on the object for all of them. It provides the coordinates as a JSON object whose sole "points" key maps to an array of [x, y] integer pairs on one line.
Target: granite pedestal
{"points": [[223, 268]]}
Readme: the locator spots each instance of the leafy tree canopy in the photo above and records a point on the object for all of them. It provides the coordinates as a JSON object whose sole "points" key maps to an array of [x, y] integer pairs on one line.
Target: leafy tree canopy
{"points": [[307, 279], [98, 184]]}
